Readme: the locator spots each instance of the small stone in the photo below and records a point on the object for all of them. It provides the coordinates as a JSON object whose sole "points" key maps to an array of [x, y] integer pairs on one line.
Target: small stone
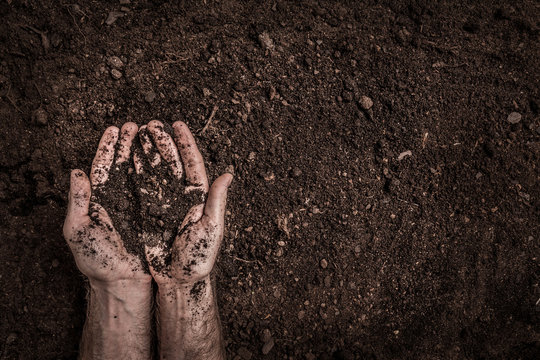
{"points": [[150, 96], [116, 74], [113, 16], [514, 118], [404, 154], [365, 102], [55, 263], [281, 243], [249, 229], [301, 314], [268, 346], [115, 62], [279, 252], [265, 41], [324, 263], [39, 117], [245, 353]]}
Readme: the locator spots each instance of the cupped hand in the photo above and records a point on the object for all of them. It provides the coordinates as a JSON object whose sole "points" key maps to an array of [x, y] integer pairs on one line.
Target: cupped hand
{"points": [[97, 247], [192, 255]]}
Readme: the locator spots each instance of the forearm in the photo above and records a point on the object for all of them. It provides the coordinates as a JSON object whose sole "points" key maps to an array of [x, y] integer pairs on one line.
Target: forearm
{"points": [[118, 322], [188, 322]]}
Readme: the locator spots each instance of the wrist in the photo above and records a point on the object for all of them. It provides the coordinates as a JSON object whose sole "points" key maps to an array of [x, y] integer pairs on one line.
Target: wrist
{"points": [[176, 289], [126, 296]]}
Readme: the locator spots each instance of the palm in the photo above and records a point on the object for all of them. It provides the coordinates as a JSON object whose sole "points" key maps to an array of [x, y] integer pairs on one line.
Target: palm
{"points": [[102, 255], [192, 255], [97, 247]]}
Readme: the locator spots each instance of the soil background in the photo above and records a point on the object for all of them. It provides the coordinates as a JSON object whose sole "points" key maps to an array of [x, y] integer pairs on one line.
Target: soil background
{"points": [[336, 246]]}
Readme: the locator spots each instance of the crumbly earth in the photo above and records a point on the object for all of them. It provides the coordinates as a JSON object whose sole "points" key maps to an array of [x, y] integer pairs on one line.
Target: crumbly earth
{"points": [[146, 208], [339, 243]]}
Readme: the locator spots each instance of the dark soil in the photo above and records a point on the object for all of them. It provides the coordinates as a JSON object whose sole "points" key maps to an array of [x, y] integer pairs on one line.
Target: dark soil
{"points": [[146, 208], [338, 244]]}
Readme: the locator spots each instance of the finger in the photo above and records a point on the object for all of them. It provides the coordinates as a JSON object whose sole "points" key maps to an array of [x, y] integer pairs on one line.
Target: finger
{"points": [[79, 194], [148, 148], [166, 147], [127, 134], [194, 214], [191, 157], [217, 199], [79, 199], [104, 157], [137, 161]]}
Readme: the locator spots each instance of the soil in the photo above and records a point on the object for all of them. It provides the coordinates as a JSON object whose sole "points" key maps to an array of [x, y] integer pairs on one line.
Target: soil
{"points": [[146, 208], [385, 204]]}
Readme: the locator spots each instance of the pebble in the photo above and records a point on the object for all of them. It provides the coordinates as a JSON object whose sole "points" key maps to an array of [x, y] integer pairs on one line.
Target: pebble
{"points": [[115, 62], [514, 118], [150, 96], [301, 314], [39, 117], [268, 346], [324, 263], [365, 102], [113, 16], [116, 74], [403, 154], [266, 41], [281, 243]]}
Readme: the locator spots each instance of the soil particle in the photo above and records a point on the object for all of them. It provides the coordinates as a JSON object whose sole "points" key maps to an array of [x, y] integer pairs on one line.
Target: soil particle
{"points": [[324, 263], [265, 41], [365, 102], [150, 96], [116, 74], [514, 117], [115, 62]]}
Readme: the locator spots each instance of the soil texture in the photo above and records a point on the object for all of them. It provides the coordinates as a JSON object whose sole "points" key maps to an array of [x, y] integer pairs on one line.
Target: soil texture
{"points": [[385, 203]]}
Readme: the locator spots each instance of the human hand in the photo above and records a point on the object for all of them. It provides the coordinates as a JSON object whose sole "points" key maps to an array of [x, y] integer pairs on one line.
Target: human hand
{"points": [[191, 256], [97, 247]]}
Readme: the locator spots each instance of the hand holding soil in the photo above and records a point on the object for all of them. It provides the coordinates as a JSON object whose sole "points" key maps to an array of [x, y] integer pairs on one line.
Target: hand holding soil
{"points": [[148, 202], [185, 254], [98, 248]]}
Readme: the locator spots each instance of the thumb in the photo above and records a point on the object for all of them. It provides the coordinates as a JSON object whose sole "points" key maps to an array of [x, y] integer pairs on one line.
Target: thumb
{"points": [[217, 199]]}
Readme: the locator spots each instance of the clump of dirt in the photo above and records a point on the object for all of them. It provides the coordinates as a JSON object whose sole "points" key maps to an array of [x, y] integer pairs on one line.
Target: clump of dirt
{"points": [[146, 208]]}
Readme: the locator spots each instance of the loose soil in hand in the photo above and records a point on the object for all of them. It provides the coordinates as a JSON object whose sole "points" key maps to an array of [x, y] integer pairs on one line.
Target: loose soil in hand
{"points": [[385, 202], [146, 208]]}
